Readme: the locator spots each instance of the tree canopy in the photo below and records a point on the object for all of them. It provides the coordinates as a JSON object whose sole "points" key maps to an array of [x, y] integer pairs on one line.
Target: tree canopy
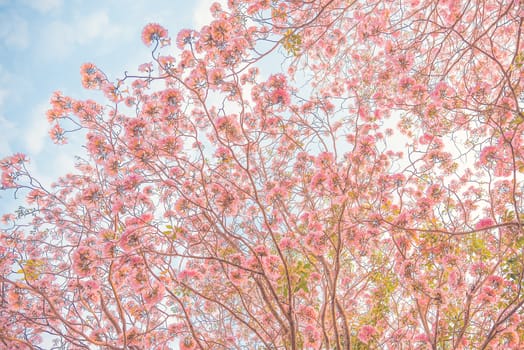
{"points": [[329, 174]]}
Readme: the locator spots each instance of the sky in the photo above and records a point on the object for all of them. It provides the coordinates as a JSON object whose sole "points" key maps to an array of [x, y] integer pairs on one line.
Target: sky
{"points": [[43, 43]]}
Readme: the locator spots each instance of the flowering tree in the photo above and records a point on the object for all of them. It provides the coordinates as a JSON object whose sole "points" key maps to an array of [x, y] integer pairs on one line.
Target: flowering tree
{"points": [[365, 194]]}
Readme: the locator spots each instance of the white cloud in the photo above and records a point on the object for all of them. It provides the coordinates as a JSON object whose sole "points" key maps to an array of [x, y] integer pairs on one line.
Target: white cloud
{"points": [[202, 15], [59, 39], [43, 6], [3, 95], [56, 40], [13, 31], [56, 163], [7, 128], [93, 26], [36, 132]]}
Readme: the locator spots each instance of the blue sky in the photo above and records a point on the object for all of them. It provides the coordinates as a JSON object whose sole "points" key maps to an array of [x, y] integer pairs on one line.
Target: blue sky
{"points": [[42, 46]]}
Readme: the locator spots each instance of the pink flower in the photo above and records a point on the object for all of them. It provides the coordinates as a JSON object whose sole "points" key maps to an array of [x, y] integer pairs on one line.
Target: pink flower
{"points": [[130, 239], [92, 77], [57, 134], [286, 243], [318, 179], [137, 279], [228, 126], [226, 201], [153, 294], [308, 312], [311, 336], [478, 268], [316, 242], [495, 282], [84, 261], [15, 299], [454, 278], [488, 154], [484, 223], [184, 37], [421, 337], [7, 218], [261, 250], [487, 295], [236, 276], [325, 160], [441, 92], [366, 333], [88, 69], [176, 328], [90, 290], [188, 274], [35, 195], [171, 97], [216, 77], [272, 266], [146, 67], [510, 339], [153, 32], [280, 95], [188, 343]]}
